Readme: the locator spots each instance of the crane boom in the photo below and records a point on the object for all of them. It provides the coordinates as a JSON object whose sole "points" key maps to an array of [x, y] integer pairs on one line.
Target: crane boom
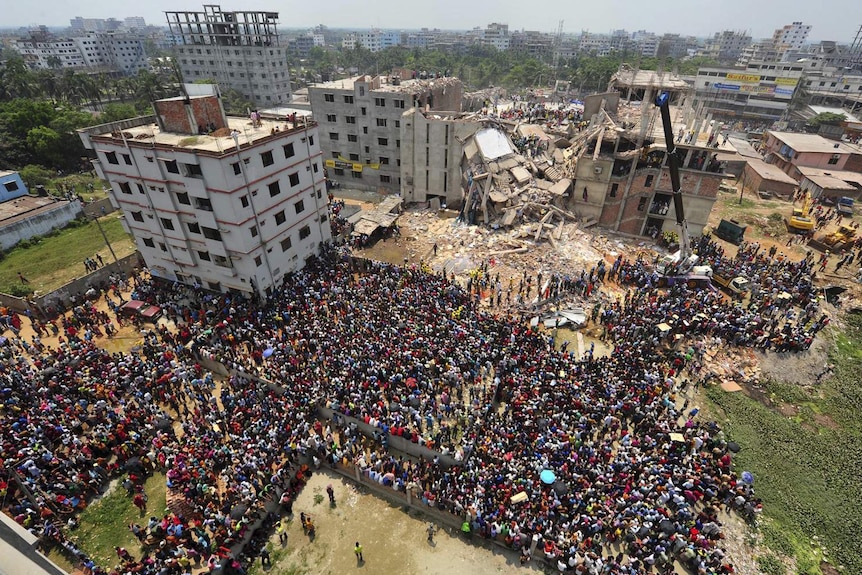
{"points": [[662, 101]]}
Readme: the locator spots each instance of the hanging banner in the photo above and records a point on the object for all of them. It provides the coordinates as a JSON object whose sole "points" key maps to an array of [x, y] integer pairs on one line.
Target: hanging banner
{"points": [[749, 78]]}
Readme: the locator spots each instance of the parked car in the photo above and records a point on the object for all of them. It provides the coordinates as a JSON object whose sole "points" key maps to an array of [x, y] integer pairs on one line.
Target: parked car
{"points": [[141, 309]]}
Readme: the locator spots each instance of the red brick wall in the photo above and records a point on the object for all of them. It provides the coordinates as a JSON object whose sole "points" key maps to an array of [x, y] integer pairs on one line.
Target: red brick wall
{"points": [[208, 110], [610, 212], [708, 187], [854, 163], [174, 117], [632, 217]]}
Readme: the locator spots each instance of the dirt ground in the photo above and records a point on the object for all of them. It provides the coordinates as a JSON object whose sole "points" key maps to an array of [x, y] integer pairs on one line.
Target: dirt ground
{"points": [[393, 541]]}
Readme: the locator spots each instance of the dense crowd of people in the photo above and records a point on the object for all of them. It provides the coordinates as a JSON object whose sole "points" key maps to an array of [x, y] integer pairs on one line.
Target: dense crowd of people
{"points": [[410, 354]]}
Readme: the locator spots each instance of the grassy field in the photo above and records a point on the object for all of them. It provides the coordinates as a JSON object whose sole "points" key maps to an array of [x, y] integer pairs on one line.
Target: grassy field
{"points": [[80, 184], [105, 524], [59, 258], [806, 466]]}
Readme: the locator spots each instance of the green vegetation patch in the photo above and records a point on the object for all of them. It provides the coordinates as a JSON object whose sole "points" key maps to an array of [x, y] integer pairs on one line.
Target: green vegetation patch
{"points": [[105, 524], [51, 261], [806, 467]]}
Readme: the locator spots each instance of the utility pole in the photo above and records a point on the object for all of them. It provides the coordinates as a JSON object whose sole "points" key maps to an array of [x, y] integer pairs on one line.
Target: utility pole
{"points": [[105, 236], [742, 187]]}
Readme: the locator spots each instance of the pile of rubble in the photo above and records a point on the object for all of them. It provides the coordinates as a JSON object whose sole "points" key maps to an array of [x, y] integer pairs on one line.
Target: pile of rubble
{"points": [[731, 367], [519, 173]]}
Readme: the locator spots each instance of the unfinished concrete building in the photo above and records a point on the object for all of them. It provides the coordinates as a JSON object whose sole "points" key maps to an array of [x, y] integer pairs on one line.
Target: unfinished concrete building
{"points": [[239, 50], [432, 146], [360, 122], [619, 163]]}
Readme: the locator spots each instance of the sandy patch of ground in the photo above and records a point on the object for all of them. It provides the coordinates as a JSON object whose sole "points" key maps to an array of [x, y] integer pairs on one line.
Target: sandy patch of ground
{"points": [[393, 541]]}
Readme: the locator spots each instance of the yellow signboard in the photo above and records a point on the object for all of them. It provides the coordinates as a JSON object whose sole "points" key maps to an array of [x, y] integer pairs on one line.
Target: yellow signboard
{"points": [[344, 164], [355, 169], [751, 78], [786, 81]]}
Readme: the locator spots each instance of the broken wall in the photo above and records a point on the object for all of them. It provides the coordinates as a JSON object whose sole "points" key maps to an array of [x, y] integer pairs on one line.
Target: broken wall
{"points": [[594, 176]]}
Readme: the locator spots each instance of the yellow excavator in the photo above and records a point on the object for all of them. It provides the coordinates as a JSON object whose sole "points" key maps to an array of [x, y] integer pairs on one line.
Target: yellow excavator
{"points": [[835, 242], [801, 221]]}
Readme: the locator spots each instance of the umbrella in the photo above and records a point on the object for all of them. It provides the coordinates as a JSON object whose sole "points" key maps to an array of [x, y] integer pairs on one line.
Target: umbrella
{"points": [[561, 488], [134, 465], [548, 477], [666, 527], [164, 424], [268, 352], [748, 477], [238, 511], [733, 447]]}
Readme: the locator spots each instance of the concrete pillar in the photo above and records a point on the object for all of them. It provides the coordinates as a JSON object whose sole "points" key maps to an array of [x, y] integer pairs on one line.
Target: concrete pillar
{"points": [[687, 159], [649, 94]]}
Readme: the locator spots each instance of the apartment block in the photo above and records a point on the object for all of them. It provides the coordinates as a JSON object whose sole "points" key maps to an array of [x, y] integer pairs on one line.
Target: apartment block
{"points": [[760, 90], [101, 50], [360, 122], [727, 46], [791, 37], [242, 51], [232, 209]]}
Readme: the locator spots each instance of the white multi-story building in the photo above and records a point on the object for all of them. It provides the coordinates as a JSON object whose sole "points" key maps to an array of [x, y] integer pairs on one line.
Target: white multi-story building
{"points": [[229, 213], [125, 52], [134, 22], [374, 40], [348, 42], [239, 50], [761, 90], [360, 123], [496, 35], [728, 45], [647, 43], [115, 50], [791, 37]]}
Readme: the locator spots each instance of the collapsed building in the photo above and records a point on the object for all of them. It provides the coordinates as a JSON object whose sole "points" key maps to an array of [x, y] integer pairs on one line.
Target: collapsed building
{"points": [[610, 169]]}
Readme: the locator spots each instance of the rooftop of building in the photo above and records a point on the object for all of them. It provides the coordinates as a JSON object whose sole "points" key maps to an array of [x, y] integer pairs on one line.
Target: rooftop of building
{"points": [[852, 178], [770, 172], [386, 83], [631, 78], [24, 207], [145, 131], [834, 110], [814, 143]]}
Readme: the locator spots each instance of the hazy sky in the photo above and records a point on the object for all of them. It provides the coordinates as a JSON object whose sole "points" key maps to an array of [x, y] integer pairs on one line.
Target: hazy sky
{"points": [[831, 19]]}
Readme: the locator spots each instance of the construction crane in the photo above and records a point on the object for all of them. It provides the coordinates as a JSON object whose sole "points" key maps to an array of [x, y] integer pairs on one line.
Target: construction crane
{"points": [[681, 265]]}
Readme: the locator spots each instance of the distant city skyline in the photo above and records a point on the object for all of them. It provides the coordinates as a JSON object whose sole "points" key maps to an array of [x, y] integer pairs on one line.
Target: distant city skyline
{"points": [[838, 23]]}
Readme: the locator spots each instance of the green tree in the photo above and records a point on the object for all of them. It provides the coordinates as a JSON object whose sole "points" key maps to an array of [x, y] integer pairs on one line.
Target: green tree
{"points": [[46, 144], [34, 175], [827, 118], [235, 103], [115, 112]]}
